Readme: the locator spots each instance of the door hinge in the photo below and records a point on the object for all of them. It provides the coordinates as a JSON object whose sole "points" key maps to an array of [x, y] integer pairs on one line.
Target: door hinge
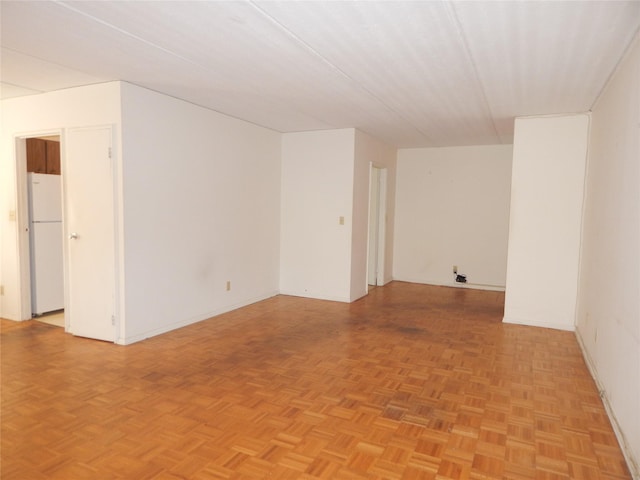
{"points": [[113, 319], [109, 152]]}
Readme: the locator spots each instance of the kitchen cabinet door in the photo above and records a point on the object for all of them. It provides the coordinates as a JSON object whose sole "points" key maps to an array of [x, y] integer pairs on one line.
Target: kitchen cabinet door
{"points": [[36, 155], [53, 157]]}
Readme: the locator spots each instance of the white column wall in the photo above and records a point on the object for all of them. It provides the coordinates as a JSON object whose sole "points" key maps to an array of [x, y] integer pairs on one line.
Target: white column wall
{"points": [[317, 189], [548, 172], [202, 208], [608, 320]]}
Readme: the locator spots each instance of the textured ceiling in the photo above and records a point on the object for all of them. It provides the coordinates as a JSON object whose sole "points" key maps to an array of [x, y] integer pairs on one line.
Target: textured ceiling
{"points": [[413, 74]]}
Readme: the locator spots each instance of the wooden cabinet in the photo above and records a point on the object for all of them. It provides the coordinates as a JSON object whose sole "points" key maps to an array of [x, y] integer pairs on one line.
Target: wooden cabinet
{"points": [[43, 156], [36, 155], [53, 157]]}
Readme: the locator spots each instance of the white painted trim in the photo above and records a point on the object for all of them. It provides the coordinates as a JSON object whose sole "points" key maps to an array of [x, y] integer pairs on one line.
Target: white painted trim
{"points": [[372, 183], [476, 286], [382, 224], [632, 463], [330, 298], [471, 286], [531, 323], [189, 321]]}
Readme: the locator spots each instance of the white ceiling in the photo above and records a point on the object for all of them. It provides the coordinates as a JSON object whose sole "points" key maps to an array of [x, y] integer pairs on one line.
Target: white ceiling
{"points": [[414, 74]]}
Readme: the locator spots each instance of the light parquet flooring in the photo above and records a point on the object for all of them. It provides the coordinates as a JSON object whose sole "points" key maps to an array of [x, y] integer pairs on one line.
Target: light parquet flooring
{"points": [[411, 382]]}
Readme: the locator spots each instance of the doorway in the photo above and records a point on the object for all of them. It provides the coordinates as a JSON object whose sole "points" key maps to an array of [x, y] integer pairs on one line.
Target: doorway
{"points": [[377, 226], [88, 236], [40, 179]]}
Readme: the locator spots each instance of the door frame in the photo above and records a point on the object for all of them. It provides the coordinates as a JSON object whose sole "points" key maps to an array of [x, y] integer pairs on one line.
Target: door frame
{"points": [[381, 222], [22, 223], [22, 218]]}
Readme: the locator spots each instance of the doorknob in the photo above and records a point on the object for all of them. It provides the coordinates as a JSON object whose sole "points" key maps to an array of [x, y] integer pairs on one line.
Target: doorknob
{"points": [[73, 236]]}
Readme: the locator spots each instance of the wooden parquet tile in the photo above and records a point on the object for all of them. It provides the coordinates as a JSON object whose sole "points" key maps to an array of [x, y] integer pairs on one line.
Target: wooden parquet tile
{"points": [[411, 382]]}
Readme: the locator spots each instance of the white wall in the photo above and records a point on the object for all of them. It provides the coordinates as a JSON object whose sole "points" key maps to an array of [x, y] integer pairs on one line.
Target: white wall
{"points": [[452, 208], [608, 320], [317, 189], [201, 207], [369, 150], [549, 157], [27, 116]]}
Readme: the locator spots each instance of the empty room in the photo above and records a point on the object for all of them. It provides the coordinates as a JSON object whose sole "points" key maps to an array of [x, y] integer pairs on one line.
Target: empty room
{"points": [[320, 240]]}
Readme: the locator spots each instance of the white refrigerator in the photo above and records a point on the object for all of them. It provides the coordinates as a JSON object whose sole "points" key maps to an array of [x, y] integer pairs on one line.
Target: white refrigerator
{"points": [[45, 230]]}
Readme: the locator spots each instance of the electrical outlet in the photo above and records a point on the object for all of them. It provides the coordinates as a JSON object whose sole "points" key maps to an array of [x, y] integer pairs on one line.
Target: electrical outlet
{"points": [[228, 285], [455, 269]]}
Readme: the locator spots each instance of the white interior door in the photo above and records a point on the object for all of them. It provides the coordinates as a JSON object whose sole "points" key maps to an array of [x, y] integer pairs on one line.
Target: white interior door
{"points": [[89, 225]]}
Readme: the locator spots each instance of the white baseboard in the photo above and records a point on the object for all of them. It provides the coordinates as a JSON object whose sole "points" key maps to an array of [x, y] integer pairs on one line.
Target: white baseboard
{"points": [[530, 323], [128, 340], [331, 298], [473, 286]]}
